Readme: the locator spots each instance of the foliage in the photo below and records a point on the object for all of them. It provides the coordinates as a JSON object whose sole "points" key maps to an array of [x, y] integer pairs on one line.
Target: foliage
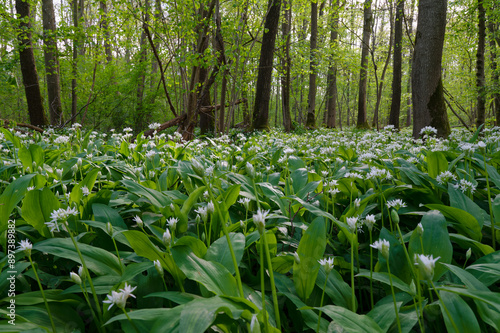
{"points": [[181, 236]]}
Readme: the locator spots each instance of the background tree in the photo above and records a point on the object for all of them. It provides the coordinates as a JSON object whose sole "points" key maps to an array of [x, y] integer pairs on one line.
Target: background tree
{"points": [[397, 65], [363, 72], [311, 97], [480, 76], [331, 90], [427, 94]]}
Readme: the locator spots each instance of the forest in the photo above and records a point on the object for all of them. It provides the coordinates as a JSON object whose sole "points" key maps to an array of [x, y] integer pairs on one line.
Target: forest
{"points": [[337, 63]]}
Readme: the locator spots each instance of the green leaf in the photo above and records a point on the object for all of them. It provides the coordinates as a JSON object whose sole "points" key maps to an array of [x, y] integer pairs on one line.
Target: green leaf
{"points": [[311, 249], [186, 208], [37, 207], [436, 163], [214, 276], [350, 321], [435, 239], [156, 198], [459, 311], [463, 222], [299, 178], [104, 213], [11, 197], [336, 288], [460, 200], [486, 296], [89, 181], [295, 163], [100, 261], [231, 195], [219, 251], [30, 155], [465, 243], [384, 278]]}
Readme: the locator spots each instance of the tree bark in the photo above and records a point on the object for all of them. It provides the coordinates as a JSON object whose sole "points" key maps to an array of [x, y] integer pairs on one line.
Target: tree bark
{"points": [[427, 95], [28, 66], [397, 66], [494, 69], [51, 62], [105, 27], [311, 98], [331, 90], [142, 115], [480, 76], [286, 64], [410, 62], [260, 117], [363, 77]]}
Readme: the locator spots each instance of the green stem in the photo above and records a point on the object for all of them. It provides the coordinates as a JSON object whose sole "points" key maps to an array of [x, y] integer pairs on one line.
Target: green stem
{"points": [[371, 271], [118, 255], [393, 296], [43, 295], [87, 275], [444, 307], [321, 303], [130, 320], [273, 287], [353, 297], [492, 220], [86, 295], [412, 270], [263, 286]]}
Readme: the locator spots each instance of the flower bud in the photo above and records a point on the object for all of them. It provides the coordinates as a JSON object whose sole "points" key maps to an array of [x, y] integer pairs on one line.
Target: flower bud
{"points": [[75, 278], [395, 216]]}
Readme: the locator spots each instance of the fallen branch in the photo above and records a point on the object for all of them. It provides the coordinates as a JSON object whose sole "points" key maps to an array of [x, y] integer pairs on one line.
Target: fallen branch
{"points": [[210, 108], [168, 124], [6, 123]]}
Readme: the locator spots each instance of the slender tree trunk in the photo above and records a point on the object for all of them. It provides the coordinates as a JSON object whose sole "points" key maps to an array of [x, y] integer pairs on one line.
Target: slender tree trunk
{"points": [[331, 90], [363, 72], [286, 64], [51, 62], [142, 115], [311, 98], [480, 76], [494, 69], [28, 66], [427, 95], [397, 65], [260, 117], [105, 28], [410, 62], [74, 71]]}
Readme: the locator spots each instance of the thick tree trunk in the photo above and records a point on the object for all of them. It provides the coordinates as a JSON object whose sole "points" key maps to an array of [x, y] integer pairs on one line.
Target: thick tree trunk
{"points": [[286, 64], [331, 90], [105, 28], [363, 77], [397, 65], [76, 11], [28, 66], [480, 76], [311, 98], [410, 62], [51, 62], [427, 95], [260, 117]]}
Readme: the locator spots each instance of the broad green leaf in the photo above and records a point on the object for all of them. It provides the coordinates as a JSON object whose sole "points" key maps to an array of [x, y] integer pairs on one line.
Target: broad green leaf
{"points": [[66, 318], [384, 278], [212, 275], [436, 163], [459, 312], [350, 321], [105, 214], [487, 273], [156, 198], [336, 288], [460, 200], [32, 155], [383, 314], [311, 249], [295, 163], [89, 181], [100, 261], [231, 195], [186, 208], [495, 206], [219, 251], [197, 246], [37, 207], [299, 178], [463, 222], [102, 285], [11, 197], [486, 296], [465, 243], [435, 240]]}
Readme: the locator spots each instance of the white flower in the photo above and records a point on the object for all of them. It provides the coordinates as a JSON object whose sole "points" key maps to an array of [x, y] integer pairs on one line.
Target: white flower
{"points": [[245, 202], [351, 222], [210, 207], [203, 211], [62, 215], [259, 219], [25, 246], [85, 190], [150, 154], [167, 238], [61, 139], [139, 221], [445, 177], [465, 186], [357, 202], [127, 129], [382, 246], [428, 130], [370, 221], [420, 229], [426, 265], [116, 298], [127, 290], [154, 126], [396, 204], [250, 170], [158, 267], [172, 223], [327, 264]]}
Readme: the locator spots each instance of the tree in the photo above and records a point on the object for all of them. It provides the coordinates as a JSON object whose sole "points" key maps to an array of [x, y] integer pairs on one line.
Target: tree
{"points": [[429, 107], [480, 76], [260, 116], [28, 66], [51, 62], [286, 64], [142, 113], [363, 77], [331, 90], [397, 64], [311, 97], [494, 38]]}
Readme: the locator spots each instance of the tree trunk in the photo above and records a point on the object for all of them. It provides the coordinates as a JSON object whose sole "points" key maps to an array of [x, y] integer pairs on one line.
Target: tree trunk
{"points": [[494, 70], [286, 64], [427, 95], [142, 115], [76, 51], [311, 98], [397, 65], [331, 90], [480, 76], [260, 117], [28, 66], [363, 77], [51, 62], [410, 62], [105, 27]]}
